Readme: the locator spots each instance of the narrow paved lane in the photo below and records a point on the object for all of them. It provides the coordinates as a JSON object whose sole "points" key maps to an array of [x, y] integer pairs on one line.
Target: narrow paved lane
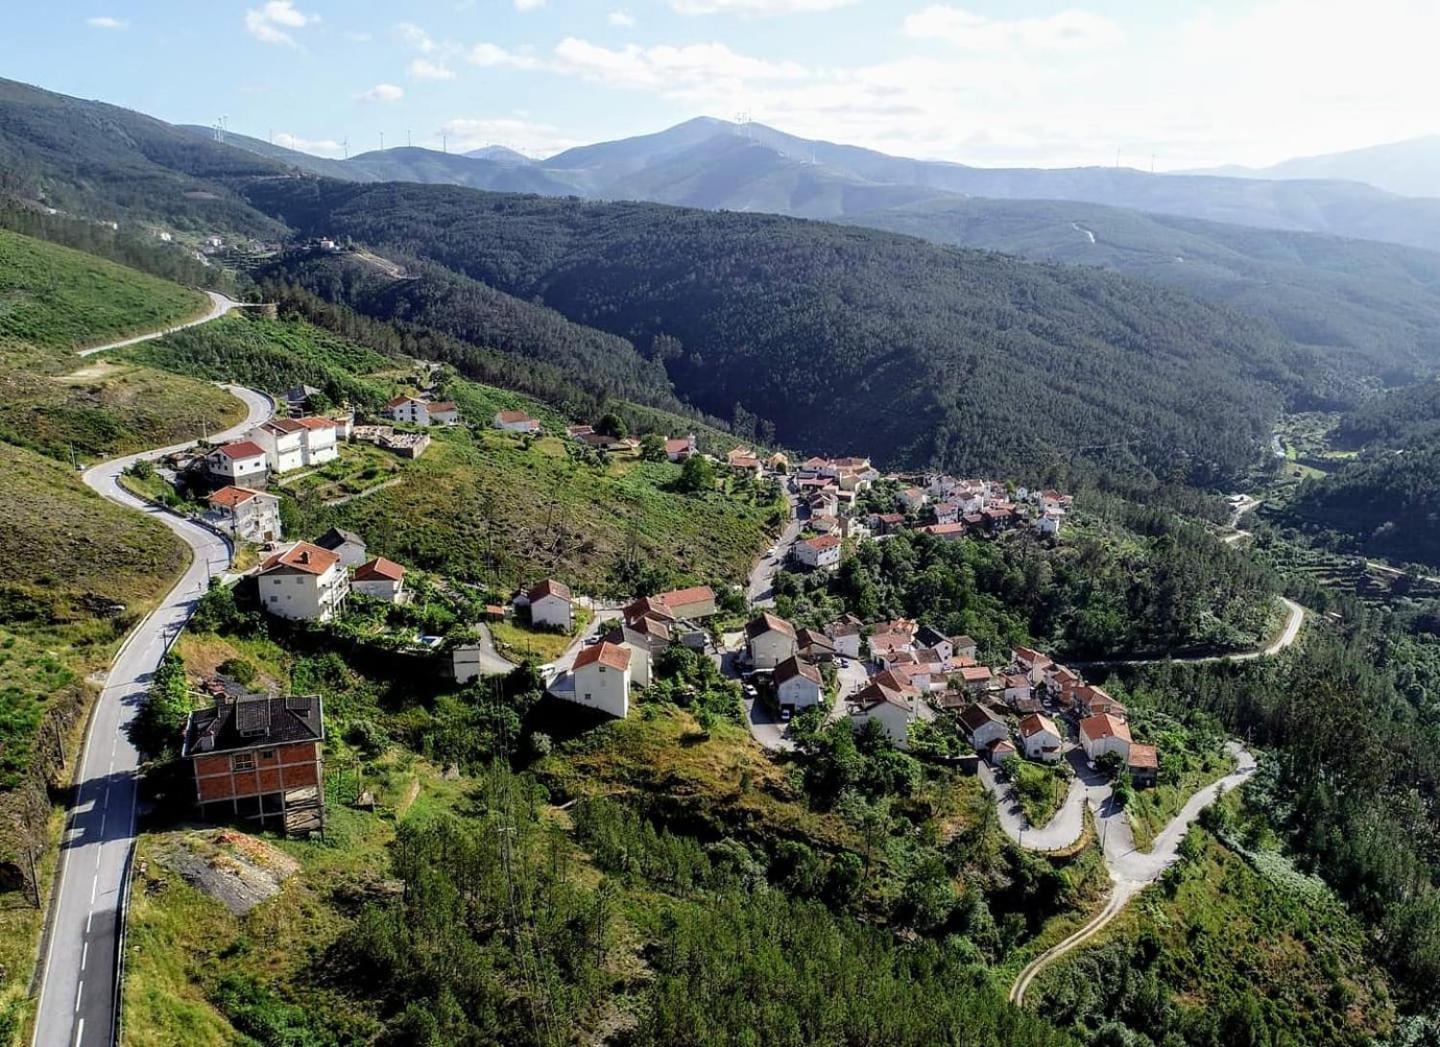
{"points": [[219, 306], [78, 987], [760, 591], [1131, 871]]}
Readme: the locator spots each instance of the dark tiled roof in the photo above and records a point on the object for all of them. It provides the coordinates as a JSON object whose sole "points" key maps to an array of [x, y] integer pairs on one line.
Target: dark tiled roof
{"points": [[335, 538], [254, 721]]}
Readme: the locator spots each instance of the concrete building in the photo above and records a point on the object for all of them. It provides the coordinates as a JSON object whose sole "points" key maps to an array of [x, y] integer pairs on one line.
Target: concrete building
{"points": [[246, 515], [258, 758], [770, 640], [551, 605], [347, 545], [798, 684], [304, 581], [602, 678], [1104, 734]]}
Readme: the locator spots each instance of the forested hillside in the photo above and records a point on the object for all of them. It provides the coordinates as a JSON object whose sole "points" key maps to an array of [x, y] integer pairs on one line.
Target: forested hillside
{"points": [[962, 359], [436, 299], [1367, 308], [1391, 418]]}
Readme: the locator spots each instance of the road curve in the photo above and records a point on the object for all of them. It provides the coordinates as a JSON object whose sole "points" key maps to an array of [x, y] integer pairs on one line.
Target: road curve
{"points": [[219, 306], [1131, 870], [78, 987]]}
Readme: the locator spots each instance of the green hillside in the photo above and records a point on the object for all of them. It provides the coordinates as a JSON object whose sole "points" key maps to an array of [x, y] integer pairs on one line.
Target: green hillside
{"points": [[54, 300], [483, 505]]}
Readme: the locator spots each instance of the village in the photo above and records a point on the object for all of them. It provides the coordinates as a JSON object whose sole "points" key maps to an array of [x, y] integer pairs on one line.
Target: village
{"points": [[913, 684]]}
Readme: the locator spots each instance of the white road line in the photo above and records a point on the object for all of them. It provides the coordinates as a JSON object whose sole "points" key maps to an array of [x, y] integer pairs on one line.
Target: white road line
{"points": [[94, 886], [79, 1031], [84, 955], [78, 990]]}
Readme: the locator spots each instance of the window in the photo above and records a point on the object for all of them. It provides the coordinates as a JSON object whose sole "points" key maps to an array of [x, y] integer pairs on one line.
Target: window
{"points": [[267, 754], [242, 762]]}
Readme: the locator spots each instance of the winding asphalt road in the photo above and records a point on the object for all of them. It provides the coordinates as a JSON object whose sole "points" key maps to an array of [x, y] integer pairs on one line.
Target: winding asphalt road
{"points": [[79, 988]]}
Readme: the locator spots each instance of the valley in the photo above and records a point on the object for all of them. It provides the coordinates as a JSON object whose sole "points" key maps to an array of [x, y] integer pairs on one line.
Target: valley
{"points": [[472, 599]]}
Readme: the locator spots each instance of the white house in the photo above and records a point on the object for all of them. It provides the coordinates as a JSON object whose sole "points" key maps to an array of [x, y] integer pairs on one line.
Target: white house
{"points": [[982, 727], [551, 605], [845, 634], [1104, 734], [963, 647], [284, 443], [1017, 687], [911, 498], [380, 578], [1040, 737], [303, 581], [771, 640], [347, 545], [677, 450], [242, 460], [515, 422], [602, 678], [646, 637], [1032, 663], [820, 553], [798, 684], [321, 439], [1049, 521], [409, 409], [891, 703], [251, 516], [442, 412]]}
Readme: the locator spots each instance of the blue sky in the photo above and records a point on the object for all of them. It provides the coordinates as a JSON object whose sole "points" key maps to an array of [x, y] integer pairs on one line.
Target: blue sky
{"points": [[1173, 82]]}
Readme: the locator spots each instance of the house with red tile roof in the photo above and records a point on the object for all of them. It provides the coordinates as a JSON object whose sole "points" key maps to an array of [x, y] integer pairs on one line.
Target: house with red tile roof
{"points": [[241, 463], [303, 581], [246, 515], [515, 422], [601, 678], [819, 553], [380, 579], [1104, 734]]}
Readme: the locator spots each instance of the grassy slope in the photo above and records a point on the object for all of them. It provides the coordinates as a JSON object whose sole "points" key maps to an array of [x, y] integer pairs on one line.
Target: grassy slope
{"points": [[550, 513], [53, 301], [547, 514]]}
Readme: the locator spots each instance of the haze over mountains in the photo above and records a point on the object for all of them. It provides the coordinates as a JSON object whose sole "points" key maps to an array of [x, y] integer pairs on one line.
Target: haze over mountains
{"points": [[1410, 168], [716, 164]]}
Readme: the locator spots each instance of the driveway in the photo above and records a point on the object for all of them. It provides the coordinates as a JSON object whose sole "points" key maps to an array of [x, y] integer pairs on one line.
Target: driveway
{"points": [[78, 992]]}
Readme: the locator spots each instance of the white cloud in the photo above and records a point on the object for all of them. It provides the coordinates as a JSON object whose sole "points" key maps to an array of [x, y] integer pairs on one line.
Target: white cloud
{"points": [[415, 37], [268, 22], [529, 5], [106, 22], [382, 93], [424, 69], [489, 55], [755, 7], [620, 18], [1070, 30], [667, 64], [533, 139]]}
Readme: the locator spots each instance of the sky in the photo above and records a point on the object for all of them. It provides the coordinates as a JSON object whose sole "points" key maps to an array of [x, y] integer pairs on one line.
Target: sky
{"points": [[1168, 84]]}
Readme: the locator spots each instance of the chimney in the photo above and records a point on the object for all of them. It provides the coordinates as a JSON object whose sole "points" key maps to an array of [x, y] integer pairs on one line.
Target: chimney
{"points": [[304, 556]]}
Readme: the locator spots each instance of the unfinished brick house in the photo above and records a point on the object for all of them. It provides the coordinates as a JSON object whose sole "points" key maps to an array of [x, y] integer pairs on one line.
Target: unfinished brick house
{"points": [[258, 758]]}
